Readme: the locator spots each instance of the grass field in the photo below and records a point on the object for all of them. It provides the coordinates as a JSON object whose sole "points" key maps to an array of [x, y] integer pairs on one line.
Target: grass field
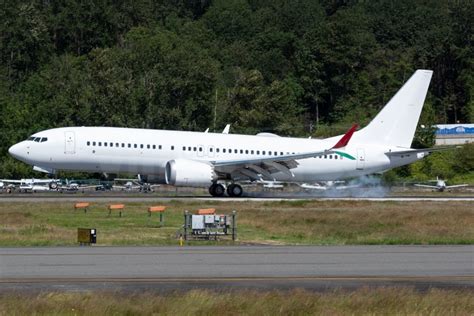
{"points": [[289, 222], [365, 301]]}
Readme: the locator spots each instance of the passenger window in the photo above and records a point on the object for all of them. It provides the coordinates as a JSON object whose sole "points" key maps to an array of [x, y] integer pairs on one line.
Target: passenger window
{"points": [[258, 152], [210, 149], [184, 148], [117, 145], [325, 156], [172, 147], [105, 144], [275, 153], [88, 143], [159, 147], [241, 151], [129, 145], [246, 151], [235, 151], [194, 148], [123, 145], [263, 152], [93, 143], [281, 153], [100, 144], [190, 148], [200, 148], [223, 150], [217, 150], [251, 152], [135, 146], [141, 146], [335, 156], [154, 146]]}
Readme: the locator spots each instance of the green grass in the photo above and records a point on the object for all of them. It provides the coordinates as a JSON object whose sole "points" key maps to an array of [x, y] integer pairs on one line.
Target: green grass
{"points": [[365, 301], [288, 222]]}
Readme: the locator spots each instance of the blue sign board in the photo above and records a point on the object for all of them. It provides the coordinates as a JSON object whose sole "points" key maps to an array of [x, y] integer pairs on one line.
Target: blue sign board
{"points": [[454, 129]]}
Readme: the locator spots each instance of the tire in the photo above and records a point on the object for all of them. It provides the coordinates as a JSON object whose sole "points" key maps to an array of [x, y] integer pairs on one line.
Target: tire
{"points": [[217, 190], [235, 190], [211, 190]]}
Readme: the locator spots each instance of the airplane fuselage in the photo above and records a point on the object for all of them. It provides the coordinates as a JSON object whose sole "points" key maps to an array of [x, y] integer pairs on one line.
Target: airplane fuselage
{"points": [[146, 152]]}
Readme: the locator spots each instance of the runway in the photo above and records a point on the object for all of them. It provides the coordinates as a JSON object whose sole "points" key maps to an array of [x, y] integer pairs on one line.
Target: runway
{"points": [[156, 198], [234, 267]]}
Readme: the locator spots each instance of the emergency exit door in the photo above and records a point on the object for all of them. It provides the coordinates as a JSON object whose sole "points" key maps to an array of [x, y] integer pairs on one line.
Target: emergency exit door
{"points": [[360, 159], [69, 143]]}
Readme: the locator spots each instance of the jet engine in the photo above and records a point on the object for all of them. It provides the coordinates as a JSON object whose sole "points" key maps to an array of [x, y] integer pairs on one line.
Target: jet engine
{"points": [[183, 172]]}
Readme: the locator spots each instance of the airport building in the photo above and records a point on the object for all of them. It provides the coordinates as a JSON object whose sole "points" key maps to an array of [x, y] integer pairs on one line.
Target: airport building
{"points": [[454, 134]]}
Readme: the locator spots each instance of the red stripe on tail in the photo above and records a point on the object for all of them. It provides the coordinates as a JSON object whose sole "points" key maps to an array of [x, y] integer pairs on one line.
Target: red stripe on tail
{"points": [[346, 138]]}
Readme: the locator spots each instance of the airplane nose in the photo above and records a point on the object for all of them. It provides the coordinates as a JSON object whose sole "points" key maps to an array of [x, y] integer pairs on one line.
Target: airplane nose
{"points": [[15, 151]]}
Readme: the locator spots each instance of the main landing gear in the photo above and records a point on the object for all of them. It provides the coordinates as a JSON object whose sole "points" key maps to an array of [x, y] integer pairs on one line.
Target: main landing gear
{"points": [[234, 190], [218, 190]]}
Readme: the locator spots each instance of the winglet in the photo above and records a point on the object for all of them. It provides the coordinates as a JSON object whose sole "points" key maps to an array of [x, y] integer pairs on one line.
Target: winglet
{"points": [[346, 138]]}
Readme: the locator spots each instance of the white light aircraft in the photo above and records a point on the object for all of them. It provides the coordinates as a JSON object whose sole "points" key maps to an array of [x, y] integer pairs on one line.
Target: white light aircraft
{"points": [[31, 184], [328, 185], [440, 185], [219, 160]]}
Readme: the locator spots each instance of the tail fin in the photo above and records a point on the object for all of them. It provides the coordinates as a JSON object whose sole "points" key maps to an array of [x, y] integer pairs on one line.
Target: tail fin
{"points": [[395, 125]]}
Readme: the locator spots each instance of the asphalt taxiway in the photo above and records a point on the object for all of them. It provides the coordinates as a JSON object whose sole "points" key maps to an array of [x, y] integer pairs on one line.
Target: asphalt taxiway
{"points": [[32, 198], [234, 267]]}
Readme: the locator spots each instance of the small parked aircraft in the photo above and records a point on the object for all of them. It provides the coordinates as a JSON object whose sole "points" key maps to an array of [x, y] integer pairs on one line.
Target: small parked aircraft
{"points": [[27, 185], [440, 185]]}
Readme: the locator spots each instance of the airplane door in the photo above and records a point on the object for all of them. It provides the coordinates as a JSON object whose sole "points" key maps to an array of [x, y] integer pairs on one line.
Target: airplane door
{"points": [[69, 143], [360, 159]]}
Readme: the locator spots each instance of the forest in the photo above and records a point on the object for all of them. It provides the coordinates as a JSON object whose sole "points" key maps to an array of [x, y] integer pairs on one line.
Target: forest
{"points": [[296, 68]]}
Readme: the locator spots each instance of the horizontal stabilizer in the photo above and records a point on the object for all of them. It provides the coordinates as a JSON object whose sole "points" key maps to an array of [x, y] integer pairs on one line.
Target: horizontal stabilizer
{"points": [[423, 150]]}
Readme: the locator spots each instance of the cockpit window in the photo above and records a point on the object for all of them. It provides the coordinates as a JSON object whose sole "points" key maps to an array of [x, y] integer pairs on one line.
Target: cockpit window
{"points": [[44, 139], [37, 139], [30, 138]]}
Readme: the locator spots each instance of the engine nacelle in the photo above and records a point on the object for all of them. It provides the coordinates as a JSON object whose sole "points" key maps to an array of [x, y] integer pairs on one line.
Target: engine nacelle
{"points": [[190, 173]]}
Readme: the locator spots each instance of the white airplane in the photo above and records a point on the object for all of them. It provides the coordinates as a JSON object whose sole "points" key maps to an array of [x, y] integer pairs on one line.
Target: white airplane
{"points": [[133, 185], [214, 160], [271, 184], [440, 185], [328, 185], [28, 184]]}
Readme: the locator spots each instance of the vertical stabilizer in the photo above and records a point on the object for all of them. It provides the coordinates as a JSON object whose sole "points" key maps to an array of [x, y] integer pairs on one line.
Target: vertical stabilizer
{"points": [[395, 125]]}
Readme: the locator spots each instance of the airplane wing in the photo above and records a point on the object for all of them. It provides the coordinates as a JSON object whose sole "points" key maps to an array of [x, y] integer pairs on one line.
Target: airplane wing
{"points": [[11, 181], [312, 187], [252, 168], [425, 186], [456, 186]]}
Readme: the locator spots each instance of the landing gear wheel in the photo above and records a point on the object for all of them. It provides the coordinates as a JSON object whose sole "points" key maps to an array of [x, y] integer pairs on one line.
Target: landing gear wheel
{"points": [[235, 190], [217, 190]]}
